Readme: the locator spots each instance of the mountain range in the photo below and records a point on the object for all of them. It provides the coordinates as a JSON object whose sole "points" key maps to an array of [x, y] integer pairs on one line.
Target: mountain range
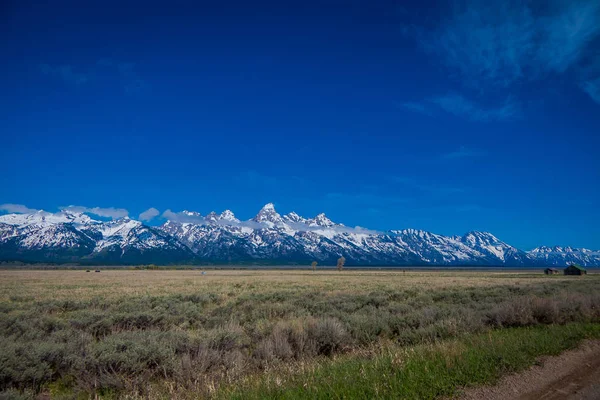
{"points": [[268, 239]]}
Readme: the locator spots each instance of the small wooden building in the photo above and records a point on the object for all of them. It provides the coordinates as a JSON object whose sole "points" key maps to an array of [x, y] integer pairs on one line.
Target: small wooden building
{"points": [[575, 269], [551, 271]]}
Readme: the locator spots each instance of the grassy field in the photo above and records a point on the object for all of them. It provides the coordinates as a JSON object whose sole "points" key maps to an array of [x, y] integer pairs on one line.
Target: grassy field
{"points": [[281, 334]]}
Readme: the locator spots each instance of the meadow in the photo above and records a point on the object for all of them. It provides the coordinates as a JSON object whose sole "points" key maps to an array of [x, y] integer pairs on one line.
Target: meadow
{"points": [[281, 334]]}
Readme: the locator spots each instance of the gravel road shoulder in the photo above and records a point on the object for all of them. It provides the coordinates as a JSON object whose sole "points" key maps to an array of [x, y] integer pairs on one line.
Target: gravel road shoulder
{"points": [[573, 375]]}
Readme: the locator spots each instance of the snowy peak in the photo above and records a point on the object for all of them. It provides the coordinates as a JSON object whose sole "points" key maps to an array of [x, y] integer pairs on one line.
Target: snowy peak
{"points": [[293, 217], [119, 227], [558, 249], [490, 245], [413, 232], [75, 218], [24, 219], [44, 218], [267, 214], [268, 207], [476, 237], [67, 236], [321, 220], [542, 250], [561, 256], [227, 215], [212, 217]]}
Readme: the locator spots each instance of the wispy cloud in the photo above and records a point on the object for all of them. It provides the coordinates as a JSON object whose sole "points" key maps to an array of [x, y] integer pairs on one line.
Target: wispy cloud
{"points": [[417, 107], [17, 208], [369, 200], [256, 179], [109, 212], [66, 73], [149, 214], [462, 107], [499, 43], [494, 45], [567, 34], [463, 152], [106, 68], [592, 88], [126, 71], [469, 208], [432, 188]]}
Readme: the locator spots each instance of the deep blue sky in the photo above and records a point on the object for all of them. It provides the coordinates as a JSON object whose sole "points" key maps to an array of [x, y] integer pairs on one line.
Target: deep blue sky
{"points": [[444, 116]]}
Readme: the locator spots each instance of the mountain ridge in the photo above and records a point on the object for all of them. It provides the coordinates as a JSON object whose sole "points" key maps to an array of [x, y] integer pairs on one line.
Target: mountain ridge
{"points": [[268, 238]]}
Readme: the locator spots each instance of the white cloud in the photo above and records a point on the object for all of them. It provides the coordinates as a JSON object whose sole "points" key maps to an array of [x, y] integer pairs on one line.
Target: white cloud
{"points": [[17, 208], [149, 214], [109, 212]]}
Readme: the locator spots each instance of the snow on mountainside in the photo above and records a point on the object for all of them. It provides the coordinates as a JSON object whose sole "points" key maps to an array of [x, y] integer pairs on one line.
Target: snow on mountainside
{"points": [[561, 256], [45, 218], [268, 238], [268, 216], [491, 246], [72, 237]]}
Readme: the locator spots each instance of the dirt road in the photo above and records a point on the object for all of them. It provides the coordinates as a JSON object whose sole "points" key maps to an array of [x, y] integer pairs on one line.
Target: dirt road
{"points": [[573, 375]]}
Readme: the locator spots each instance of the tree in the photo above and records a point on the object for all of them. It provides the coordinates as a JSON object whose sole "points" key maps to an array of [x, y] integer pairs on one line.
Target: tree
{"points": [[340, 263], [314, 265]]}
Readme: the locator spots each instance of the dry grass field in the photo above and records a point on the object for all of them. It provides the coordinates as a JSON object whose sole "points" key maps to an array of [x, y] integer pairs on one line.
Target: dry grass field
{"points": [[78, 284], [182, 334]]}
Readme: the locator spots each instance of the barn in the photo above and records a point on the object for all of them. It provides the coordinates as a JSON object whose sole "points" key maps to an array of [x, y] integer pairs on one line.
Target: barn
{"points": [[575, 269], [551, 271]]}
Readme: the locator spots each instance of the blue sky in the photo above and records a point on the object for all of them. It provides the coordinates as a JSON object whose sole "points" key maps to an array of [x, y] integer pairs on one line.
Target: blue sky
{"points": [[444, 116]]}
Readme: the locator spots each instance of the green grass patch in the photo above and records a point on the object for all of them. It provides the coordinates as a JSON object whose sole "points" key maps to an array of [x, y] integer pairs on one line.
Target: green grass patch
{"points": [[421, 372]]}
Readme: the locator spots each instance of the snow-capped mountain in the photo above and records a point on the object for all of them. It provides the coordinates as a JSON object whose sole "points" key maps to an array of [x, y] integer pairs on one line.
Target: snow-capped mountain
{"points": [[268, 216], [561, 256], [268, 238], [75, 237]]}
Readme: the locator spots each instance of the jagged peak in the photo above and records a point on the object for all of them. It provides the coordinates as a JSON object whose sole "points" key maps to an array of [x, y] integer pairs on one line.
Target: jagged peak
{"points": [[322, 220], [268, 207], [268, 214], [228, 215], [481, 236], [44, 218], [211, 216], [412, 231], [294, 217], [123, 221], [559, 249]]}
